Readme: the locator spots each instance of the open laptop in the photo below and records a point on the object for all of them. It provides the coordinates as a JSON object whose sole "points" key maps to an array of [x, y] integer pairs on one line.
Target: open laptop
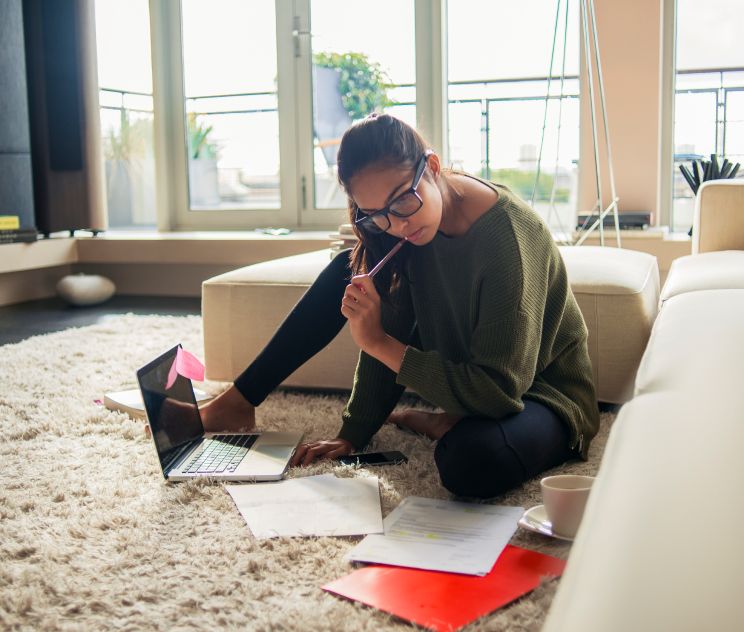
{"points": [[186, 451]]}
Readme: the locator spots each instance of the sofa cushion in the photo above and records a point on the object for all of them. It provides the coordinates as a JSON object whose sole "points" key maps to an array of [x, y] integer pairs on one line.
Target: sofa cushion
{"points": [[243, 308], [617, 292], [718, 223], [706, 271], [696, 345], [660, 546]]}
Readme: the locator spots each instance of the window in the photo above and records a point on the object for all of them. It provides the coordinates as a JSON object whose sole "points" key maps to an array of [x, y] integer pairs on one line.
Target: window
{"points": [[709, 93], [125, 96], [250, 100], [230, 100], [263, 111], [498, 69], [355, 71]]}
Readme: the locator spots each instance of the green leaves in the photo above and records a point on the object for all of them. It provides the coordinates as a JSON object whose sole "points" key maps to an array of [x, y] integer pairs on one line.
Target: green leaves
{"points": [[198, 136], [362, 83]]}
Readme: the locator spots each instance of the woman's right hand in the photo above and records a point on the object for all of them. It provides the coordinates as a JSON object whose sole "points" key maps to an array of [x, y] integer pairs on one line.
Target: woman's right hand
{"points": [[306, 453]]}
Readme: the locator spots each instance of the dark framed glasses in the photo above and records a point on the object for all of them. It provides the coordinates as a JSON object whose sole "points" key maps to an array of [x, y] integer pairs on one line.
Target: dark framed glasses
{"points": [[403, 205]]}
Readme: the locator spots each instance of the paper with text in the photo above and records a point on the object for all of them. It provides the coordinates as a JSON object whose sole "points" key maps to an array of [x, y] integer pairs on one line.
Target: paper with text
{"points": [[441, 535]]}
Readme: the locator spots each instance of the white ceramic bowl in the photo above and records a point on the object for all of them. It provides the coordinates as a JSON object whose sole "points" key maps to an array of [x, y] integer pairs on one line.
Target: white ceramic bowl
{"points": [[85, 289]]}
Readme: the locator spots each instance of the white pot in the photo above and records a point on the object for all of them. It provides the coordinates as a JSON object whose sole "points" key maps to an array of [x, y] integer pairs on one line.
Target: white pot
{"points": [[203, 182]]}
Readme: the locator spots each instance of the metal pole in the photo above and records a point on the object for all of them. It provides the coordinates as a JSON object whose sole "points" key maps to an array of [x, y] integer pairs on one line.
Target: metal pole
{"points": [[545, 111], [590, 78], [600, 81]]}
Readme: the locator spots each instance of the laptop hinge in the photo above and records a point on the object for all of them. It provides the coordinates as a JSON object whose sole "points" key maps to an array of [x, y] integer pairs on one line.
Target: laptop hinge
{"points": [[179, 456]]}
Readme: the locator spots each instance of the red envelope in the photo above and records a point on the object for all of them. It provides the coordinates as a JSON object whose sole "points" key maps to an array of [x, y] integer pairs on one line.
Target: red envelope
{"points": [[447, 601]]}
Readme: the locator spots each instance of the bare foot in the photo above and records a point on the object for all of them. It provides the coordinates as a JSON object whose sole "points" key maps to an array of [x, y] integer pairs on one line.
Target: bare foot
{"points": [[228, 412], [432, 425]]}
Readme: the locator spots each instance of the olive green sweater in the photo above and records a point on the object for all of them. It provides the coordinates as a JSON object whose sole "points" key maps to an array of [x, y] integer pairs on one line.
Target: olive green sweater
{"points": [[497, 323]]}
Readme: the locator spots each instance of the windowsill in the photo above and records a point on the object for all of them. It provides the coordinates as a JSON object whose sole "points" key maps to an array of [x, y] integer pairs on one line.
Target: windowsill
{"points": [[235, 248], [224, 248], [223, 235]]}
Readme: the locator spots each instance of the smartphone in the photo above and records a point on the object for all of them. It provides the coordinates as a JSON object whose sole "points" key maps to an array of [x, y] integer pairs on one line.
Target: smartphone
{"points": [[374, 458]]}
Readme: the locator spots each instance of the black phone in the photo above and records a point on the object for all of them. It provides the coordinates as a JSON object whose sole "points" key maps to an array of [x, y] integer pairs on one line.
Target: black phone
{"points": [[374, 458]]}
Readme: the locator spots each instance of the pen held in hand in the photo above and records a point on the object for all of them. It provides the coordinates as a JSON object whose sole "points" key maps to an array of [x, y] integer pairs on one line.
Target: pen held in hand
{"points": [[387, 257]]}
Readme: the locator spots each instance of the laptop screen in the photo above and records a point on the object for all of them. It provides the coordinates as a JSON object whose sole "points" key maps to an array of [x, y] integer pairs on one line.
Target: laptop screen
{"points": [[172, 412]]}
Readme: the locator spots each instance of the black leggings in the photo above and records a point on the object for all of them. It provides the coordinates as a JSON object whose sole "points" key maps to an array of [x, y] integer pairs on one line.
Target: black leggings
{"points": [[479, 456]]}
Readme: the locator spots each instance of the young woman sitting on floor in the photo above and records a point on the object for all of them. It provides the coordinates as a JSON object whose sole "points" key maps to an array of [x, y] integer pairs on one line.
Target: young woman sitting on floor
{"points": [[474, 313]]}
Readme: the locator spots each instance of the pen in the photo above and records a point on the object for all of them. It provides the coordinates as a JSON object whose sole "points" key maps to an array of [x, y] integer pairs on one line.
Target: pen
{"points": [[387, 257]]}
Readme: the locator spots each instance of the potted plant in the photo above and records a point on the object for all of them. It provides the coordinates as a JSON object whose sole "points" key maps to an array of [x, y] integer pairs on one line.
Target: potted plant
{"points": [[203, 154], [703, 171], [129, 166], [362, 84], [346, 87]]}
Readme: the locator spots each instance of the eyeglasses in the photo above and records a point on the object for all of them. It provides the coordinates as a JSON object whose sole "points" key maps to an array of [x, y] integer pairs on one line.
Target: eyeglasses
{"points": [[404, 205]]}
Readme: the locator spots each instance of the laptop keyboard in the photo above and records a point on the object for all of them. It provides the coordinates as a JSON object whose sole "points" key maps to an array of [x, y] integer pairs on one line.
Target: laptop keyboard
{"points": [[221, 453]]}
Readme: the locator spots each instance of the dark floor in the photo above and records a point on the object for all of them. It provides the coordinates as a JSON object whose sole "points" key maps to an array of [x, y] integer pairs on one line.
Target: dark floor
{"points": [[18, 322]]}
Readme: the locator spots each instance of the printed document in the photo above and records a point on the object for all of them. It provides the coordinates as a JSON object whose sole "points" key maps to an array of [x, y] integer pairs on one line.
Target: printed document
{"points": [[441, 535], [311, 506]]}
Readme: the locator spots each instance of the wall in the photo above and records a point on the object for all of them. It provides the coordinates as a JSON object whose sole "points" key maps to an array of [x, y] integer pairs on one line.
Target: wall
{"points": [[630, 48]]}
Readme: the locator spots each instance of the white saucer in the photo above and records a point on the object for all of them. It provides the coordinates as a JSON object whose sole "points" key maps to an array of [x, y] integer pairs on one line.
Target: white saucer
{"points": [[536, 520]]}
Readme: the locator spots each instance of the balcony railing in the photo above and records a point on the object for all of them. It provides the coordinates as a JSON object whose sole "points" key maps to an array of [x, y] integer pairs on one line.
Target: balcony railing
{"points": [[725, 113]]}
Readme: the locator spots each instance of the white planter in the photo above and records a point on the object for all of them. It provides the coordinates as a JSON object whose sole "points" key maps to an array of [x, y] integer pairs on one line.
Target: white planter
{"points": [[204, 187]]}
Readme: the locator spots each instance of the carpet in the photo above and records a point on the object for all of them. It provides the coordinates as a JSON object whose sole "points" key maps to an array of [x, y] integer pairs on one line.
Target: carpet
{"points": [[91, 538]]}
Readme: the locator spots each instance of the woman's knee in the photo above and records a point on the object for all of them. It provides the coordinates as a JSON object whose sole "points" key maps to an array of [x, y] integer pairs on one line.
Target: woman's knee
{"points": [[470, 466]]}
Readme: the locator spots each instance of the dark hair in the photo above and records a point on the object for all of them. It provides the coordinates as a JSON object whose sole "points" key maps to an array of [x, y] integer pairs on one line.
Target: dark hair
{"points": [[380, 140]]}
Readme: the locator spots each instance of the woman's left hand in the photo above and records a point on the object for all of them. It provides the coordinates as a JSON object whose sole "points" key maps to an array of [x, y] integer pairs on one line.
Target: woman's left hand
{"points": [[361, 307]]}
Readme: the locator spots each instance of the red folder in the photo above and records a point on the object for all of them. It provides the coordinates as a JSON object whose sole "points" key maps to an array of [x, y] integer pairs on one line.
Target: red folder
{"points": [[447, 601]]}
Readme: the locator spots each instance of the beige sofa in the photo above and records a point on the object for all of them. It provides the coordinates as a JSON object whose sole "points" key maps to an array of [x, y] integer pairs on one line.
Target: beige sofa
{"points": [[660, 547]]}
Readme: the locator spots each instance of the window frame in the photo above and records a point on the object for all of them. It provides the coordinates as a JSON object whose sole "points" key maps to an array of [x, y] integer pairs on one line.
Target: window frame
{"points": [[294, 72]]}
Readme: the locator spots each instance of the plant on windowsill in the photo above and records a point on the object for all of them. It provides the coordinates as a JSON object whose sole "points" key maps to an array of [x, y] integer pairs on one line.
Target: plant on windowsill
{"points": [[362, 84], [706, 171], [203, 153], [130, 185]]}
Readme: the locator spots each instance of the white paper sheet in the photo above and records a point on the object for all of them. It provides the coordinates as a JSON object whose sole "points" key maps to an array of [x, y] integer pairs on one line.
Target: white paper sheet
{"points": [[441, 535], [310, 506]]}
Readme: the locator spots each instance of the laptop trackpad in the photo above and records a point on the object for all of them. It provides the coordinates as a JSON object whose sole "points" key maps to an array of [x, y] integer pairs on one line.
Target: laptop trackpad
{"points": [[267, 456]]}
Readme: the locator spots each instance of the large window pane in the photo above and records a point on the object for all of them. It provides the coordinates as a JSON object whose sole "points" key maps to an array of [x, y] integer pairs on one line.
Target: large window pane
{"points": [[497, 87], [709, 111], [125, 95], [359, 66], [230, 70]]}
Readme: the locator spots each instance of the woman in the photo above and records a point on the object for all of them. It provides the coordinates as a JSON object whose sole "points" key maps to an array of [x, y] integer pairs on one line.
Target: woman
{"points": [[474, 313]]}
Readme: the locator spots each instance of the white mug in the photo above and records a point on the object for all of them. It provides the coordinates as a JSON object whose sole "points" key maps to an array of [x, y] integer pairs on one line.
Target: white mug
{"points": [[564, 497]]}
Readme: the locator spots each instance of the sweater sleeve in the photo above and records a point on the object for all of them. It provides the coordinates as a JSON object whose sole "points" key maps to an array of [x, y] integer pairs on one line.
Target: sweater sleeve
{"points": [[501, 362], [501, 368], [375, 391]]}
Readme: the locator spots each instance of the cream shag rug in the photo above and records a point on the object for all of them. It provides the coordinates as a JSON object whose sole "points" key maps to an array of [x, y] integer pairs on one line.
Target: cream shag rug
{"points": [[91, 538]]}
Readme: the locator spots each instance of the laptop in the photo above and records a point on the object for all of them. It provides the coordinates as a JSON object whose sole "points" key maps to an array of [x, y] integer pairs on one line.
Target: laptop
{"points": [[186, 451]]}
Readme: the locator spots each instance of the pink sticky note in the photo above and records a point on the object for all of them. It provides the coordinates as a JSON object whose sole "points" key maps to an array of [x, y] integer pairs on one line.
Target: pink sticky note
{"points": [[188, 365], [185, 364]]}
